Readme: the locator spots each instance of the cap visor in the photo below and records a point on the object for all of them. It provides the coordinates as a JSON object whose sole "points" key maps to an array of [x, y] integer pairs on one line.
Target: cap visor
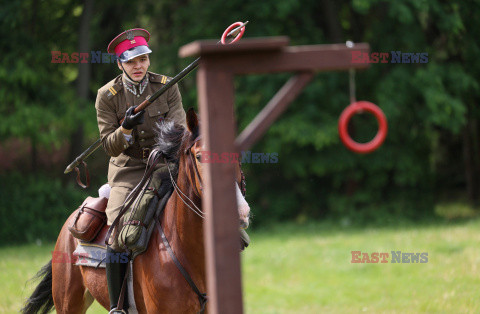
{"points": [[133, 53]]}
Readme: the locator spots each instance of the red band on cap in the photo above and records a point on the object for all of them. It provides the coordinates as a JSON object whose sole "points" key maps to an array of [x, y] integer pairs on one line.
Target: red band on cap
{"points": [[129, 44]]}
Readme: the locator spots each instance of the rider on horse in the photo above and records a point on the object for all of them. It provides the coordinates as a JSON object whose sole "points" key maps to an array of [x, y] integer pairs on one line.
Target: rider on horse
{"points": [[129, 143]]}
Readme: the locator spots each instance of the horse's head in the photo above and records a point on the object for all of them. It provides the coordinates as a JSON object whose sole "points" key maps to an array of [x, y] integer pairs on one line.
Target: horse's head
{"points": [[194, 149], [186, 147]]}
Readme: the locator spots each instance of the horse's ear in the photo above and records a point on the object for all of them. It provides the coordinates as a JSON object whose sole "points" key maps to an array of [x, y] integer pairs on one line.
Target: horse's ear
{"points": [[192, 122]]}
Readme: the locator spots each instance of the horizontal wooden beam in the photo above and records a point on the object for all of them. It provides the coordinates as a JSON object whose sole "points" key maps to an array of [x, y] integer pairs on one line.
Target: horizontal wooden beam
{"points": [[272, 55], [202, 47], [292, 59]]}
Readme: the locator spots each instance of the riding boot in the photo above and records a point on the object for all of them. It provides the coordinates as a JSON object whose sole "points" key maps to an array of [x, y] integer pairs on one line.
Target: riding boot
{"points": [[116, 268]]}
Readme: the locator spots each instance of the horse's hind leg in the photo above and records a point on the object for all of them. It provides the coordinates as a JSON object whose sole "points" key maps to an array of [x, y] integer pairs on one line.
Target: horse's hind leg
{"points": [[69, 292]]}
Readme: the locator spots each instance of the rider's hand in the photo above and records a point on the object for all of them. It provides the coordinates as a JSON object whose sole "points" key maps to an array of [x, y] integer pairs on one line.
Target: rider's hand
{"points": [[133, 119]]}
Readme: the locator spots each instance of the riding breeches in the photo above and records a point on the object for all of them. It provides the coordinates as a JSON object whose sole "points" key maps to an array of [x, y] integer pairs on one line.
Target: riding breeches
{"points": [[118, 194]]}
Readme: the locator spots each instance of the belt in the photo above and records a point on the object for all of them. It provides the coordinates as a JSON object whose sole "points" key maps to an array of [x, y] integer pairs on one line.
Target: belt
{"points": [[141, 153], [146, 152]]}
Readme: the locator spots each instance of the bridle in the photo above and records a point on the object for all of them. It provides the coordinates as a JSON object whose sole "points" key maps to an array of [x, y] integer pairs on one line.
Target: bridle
{"points": [[197, 173], [243, 182], [184, 197], [202, 297], [192, 206]]}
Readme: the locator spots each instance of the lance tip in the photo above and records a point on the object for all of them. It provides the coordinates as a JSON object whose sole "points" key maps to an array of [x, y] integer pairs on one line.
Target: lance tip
{"points": [[235, 31], [68, 169]]}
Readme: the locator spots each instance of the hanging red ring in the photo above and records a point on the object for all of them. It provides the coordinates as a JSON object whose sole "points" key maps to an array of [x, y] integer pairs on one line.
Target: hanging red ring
{"points": [[347, 114], [229, 29]]}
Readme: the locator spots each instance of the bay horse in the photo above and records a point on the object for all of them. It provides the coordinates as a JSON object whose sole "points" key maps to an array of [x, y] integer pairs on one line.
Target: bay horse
{"points": [[158, 285]]}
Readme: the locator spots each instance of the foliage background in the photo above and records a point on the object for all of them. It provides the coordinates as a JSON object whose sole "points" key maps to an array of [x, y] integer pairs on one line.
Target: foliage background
{"points": [[431, 154]]}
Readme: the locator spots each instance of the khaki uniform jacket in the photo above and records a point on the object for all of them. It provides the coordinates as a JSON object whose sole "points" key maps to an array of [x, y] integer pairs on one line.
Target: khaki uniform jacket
{"points": [[127, 166]]}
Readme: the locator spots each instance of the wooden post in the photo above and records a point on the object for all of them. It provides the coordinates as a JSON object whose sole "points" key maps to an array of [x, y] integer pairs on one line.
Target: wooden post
{"points": [[216, 94]]}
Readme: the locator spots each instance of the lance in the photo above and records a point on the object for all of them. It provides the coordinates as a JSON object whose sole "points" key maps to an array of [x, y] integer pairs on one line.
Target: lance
{"points": [[235, 30]]}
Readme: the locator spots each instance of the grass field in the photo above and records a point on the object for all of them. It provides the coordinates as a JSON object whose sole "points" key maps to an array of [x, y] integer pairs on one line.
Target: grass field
{"points": [[307, 269]]}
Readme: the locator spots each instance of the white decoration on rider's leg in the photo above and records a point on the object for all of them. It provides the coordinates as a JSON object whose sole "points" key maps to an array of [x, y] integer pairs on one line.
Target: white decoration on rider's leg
{"points": [[104, 191]]}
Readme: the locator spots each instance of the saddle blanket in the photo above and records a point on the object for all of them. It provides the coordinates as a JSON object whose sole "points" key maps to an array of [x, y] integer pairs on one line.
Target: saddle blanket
{"points": [[91, 255]]}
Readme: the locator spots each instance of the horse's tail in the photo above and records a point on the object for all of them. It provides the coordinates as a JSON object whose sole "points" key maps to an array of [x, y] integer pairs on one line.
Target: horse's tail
{"points": [[41, 300]]}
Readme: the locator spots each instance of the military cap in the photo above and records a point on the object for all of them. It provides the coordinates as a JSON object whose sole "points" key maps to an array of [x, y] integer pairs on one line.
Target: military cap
{"points": [[130, 44]]}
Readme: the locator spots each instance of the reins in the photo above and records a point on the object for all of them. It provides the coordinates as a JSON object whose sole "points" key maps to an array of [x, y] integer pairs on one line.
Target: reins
{"points": [[153, 160], [182, 195], [202, 297]]}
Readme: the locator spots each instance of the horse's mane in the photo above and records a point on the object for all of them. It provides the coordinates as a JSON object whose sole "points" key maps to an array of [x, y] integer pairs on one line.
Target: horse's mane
{"points": [[169, 139]]}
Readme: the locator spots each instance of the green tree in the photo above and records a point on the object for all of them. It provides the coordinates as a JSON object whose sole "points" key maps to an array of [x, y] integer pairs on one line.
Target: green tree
{"points": [[36, 102]]}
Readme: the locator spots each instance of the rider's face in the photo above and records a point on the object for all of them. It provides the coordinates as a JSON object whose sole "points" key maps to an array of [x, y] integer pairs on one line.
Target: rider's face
{"points": [[137, 67]]}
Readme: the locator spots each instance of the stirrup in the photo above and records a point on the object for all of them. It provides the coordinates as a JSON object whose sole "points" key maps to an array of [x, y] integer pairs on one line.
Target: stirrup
{"points": [[115, 311]]}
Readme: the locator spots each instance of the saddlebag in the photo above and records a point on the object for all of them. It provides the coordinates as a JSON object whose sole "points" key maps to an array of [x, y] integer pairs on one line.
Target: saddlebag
{"points": [[139, 220], [90, 219]]}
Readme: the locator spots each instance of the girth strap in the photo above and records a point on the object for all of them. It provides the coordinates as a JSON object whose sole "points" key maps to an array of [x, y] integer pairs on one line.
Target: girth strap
{"points": [[202, 297]]}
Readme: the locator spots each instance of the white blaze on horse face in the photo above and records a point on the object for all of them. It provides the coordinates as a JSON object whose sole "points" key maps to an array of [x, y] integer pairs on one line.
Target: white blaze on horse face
{"points": [[243, 208]]}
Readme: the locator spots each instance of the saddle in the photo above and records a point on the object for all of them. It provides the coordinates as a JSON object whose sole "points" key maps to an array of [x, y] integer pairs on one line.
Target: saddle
{"points": [[90, 227], [90, 219]]}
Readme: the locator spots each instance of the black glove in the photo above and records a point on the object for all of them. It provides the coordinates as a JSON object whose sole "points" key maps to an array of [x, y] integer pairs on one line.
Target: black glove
{"points": [[133, 119]]}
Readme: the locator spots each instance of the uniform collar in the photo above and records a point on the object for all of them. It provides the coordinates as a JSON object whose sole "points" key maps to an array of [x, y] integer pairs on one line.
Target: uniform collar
{"points": [[136, 88]]}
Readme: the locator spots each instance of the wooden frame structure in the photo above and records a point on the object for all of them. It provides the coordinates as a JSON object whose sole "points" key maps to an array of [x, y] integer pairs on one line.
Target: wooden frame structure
{"points": [[218, 66]]}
